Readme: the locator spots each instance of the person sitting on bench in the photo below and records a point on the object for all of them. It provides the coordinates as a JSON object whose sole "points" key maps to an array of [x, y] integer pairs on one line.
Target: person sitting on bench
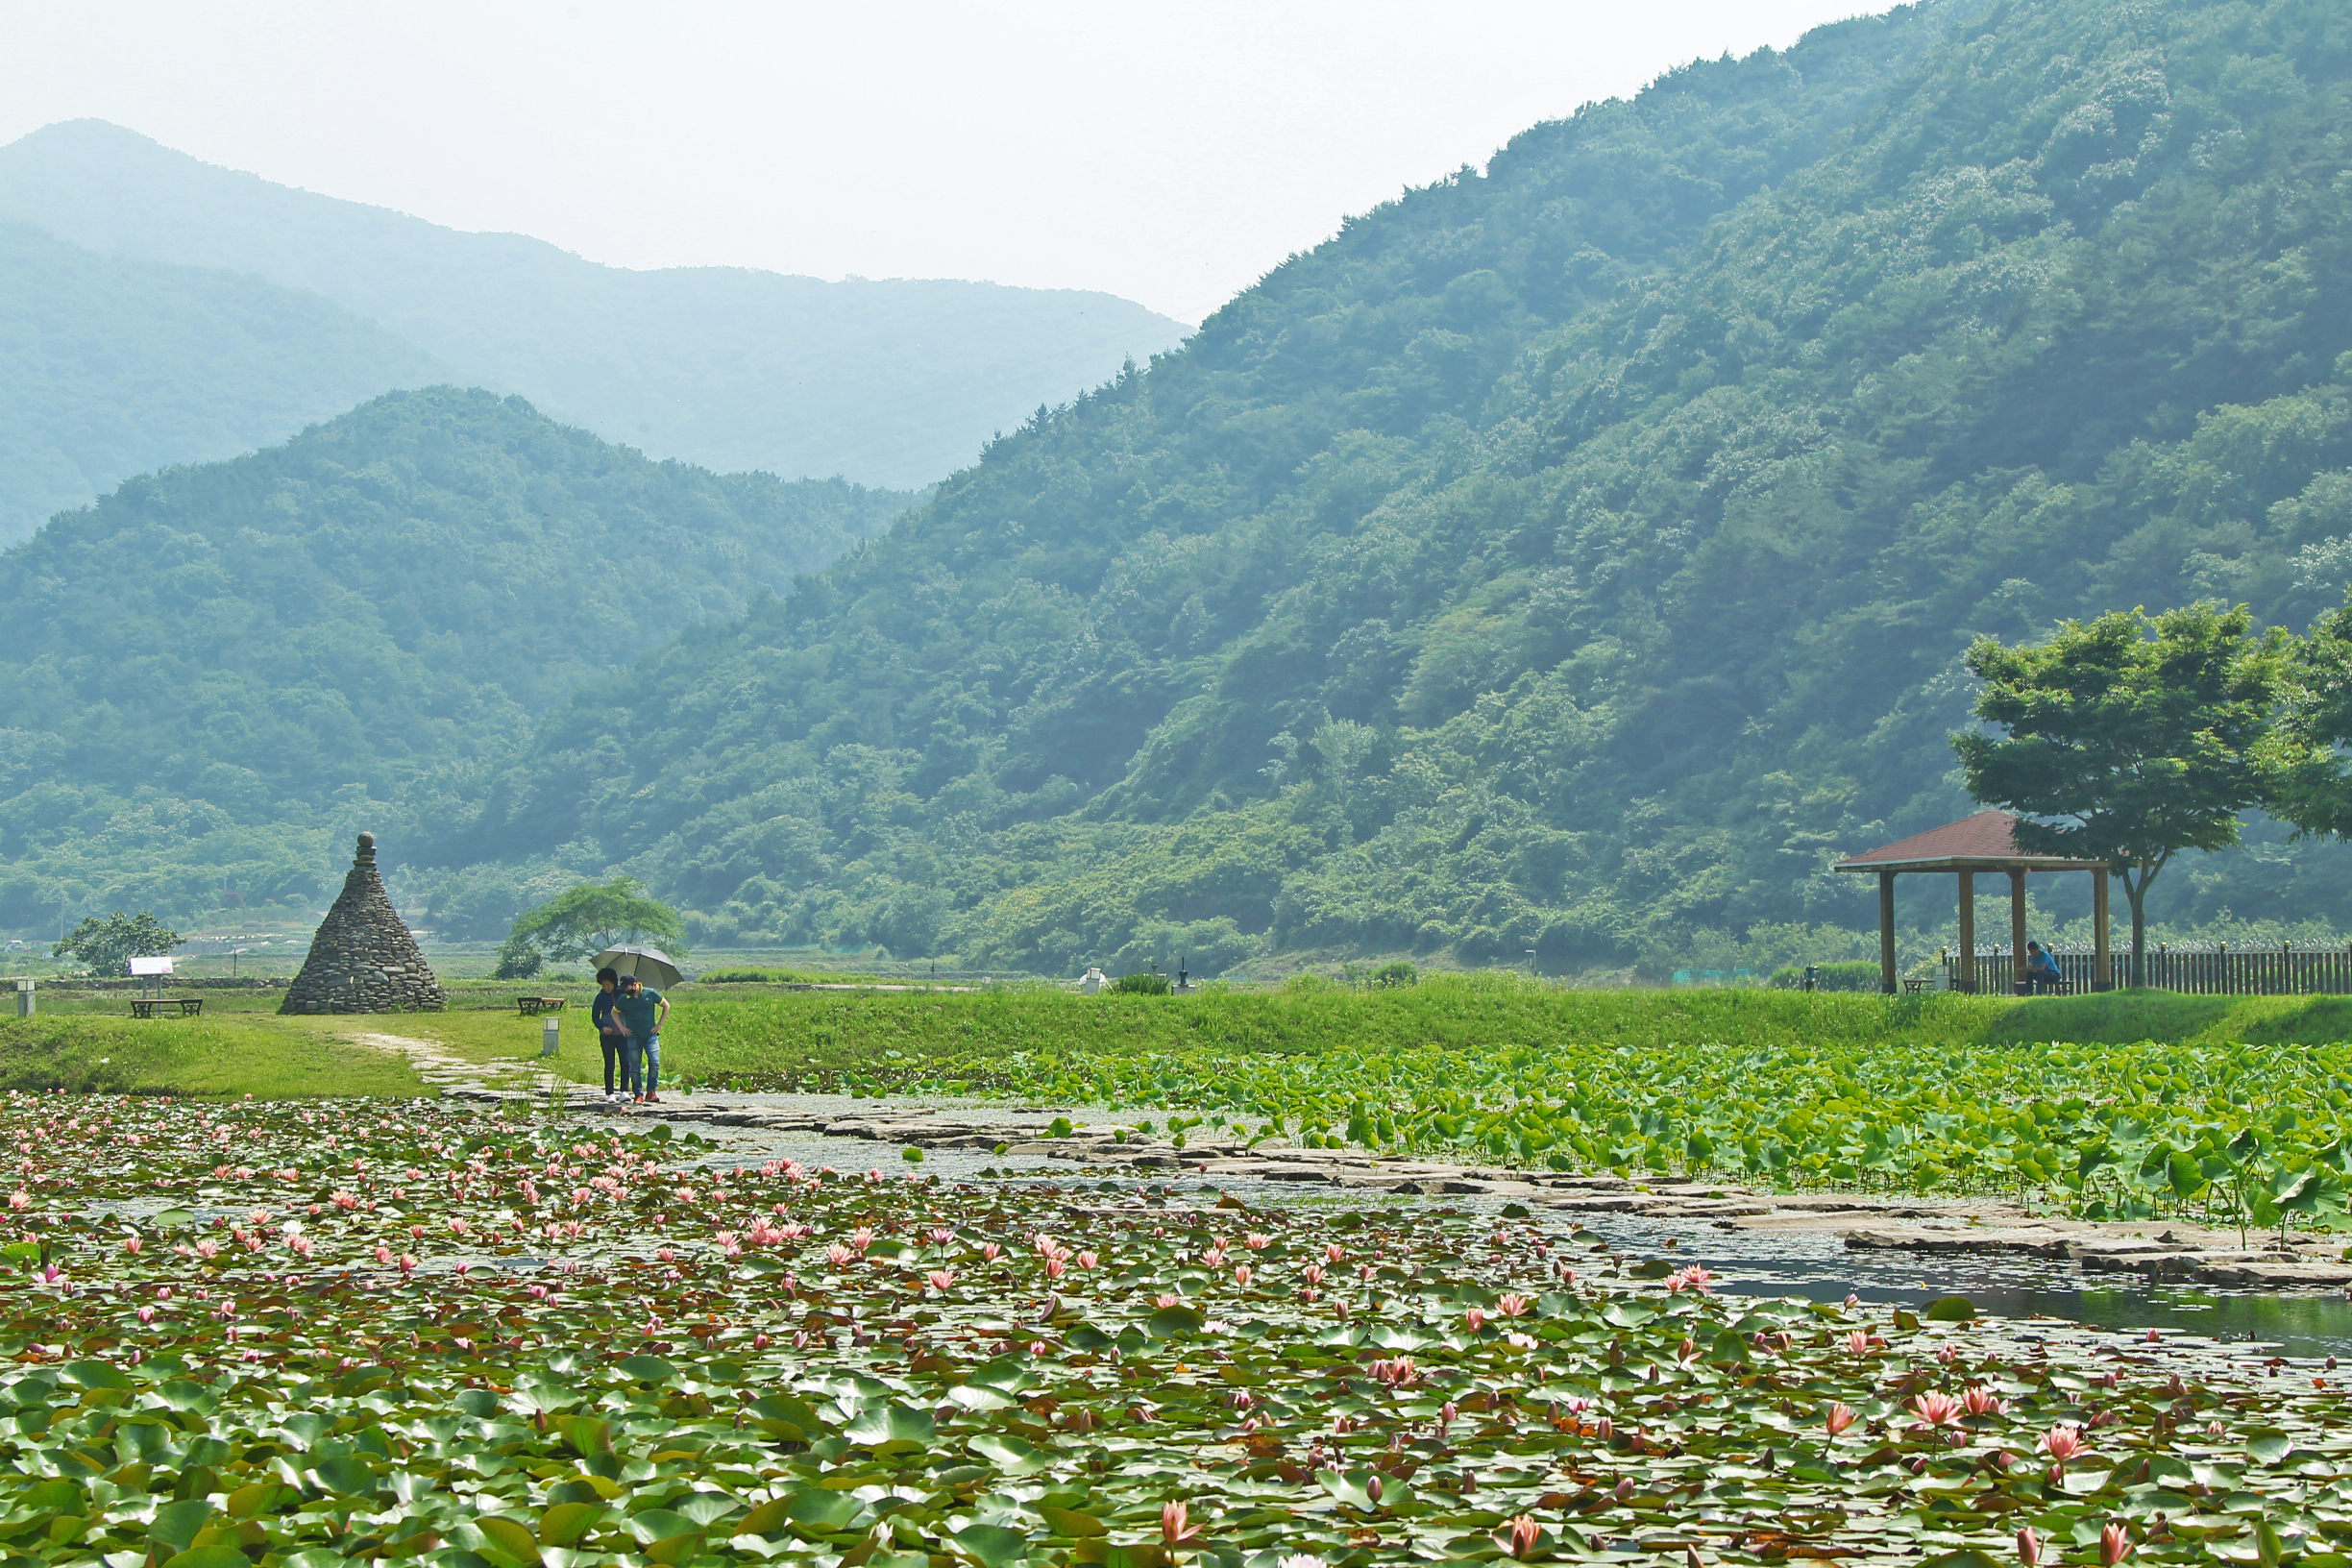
{"points": [[2041, 973]]}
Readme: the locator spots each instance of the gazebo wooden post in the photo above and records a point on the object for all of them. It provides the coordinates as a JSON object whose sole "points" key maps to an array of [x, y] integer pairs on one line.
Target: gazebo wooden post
{"points": [[1967, 930], [2102, 962], [1886, 932], [2016, 928]]}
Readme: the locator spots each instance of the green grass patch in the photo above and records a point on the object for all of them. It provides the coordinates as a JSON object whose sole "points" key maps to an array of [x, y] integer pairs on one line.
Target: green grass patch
{"points": [[227, 1056]]}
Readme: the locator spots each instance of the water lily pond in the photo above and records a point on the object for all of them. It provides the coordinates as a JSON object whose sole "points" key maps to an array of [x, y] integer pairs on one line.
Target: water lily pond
{"points": [[301, 1334]]}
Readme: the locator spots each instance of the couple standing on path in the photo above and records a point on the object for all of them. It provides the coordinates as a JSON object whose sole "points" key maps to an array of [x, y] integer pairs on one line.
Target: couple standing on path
{"points": [[628, 1016]]}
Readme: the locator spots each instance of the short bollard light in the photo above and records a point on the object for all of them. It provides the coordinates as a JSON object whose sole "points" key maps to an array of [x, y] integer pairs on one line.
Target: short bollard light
{"points": [[551, 1035], [24, 998]]}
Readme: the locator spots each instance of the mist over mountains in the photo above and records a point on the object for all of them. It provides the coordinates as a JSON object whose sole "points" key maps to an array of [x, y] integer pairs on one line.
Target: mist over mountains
{"points": [[1570, 558], [893, 383]]}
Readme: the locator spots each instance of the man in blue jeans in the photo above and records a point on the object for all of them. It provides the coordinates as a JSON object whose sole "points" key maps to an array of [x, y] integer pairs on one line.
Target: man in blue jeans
{"points": [[642, 1011]]}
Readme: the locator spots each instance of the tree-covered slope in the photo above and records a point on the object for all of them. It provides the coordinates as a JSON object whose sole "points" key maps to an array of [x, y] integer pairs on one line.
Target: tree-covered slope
{"points": [[111, 367], [211, 662], [1572, 555], [888, 381], [1150, 604]]}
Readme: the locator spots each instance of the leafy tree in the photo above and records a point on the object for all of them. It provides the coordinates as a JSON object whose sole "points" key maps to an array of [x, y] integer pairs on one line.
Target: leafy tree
{"points": [[582, 921], [2130, 737], [108, 943], [2311, 775]]}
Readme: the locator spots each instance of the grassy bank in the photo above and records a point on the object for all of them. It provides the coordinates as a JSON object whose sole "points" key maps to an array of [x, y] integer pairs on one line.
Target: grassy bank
{"points": [[227, 1056]]}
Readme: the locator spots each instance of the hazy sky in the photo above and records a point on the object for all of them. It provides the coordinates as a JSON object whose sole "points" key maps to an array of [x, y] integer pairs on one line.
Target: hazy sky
{"points": [[1168, 151]]}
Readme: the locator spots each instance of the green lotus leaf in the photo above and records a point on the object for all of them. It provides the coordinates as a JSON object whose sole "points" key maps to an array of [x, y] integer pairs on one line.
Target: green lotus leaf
{"points": [[1170, 1322], [657, 1524], [209, 1557], [1010, 1453], [768, 1518], [509, 1535], [174, 1219], [92, 1375], [345, 1476], [566, 1522], [176, 1524], [1949, 1310], [821, 1510], [993, 1545], [587, 1436], [645, 1369], [1070, 1522], [707, 1508], [892, 1429], [2270, 1447], [1965, 1558], [974, 1396]]}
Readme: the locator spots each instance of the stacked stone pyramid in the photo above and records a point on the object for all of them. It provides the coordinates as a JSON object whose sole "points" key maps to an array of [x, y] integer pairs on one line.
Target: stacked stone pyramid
{"points": [[363, 960]]}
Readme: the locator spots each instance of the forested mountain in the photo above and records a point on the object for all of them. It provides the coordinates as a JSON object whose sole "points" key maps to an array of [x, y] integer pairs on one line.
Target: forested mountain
{"points": [[214, 666], [109, 368], [1570, 555], [892, 383]]}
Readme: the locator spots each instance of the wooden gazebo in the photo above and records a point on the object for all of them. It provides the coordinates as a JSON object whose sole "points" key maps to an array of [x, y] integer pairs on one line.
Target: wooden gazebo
{"points": [[1986, 842]]}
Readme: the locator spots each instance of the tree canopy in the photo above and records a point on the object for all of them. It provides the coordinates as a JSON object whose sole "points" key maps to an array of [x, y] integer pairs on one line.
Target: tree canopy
{"points": [[584, 920], [107, 945], [2128, 739]]}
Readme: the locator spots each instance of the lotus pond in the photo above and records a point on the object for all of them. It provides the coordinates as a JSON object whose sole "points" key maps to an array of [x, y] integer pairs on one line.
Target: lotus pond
{"points": [[301, 1334]]}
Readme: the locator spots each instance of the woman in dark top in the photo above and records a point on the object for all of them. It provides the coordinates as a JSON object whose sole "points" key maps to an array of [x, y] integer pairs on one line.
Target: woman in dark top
{"points": [[609, 1033]]}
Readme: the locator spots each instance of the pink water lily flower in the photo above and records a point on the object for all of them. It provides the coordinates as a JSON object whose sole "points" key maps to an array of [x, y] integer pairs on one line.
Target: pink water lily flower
{"points": [[1520, 1537], [2063, 1443], [1174, 1530], [1937, 1410], [2029, 1548], [940, 1279], [1983, 1402], [2115, 1543], [1839, 1416]]}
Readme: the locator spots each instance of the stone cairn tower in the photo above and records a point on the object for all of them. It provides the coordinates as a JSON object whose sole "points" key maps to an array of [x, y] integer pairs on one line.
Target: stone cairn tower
{"points": [[363, 960]]}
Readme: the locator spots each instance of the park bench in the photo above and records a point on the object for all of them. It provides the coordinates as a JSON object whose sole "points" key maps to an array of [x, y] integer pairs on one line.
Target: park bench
{"points": [[532, 1006], [144, 1007]]}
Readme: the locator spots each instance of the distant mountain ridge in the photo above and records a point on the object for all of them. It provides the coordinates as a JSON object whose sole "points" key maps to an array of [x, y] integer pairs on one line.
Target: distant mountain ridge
{"points": [[111, 367], [215, 670], [894, 384]]}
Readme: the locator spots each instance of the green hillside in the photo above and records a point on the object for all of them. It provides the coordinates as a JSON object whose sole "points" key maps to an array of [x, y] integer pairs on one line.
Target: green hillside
{"points": [[888, 381], [109, 368], [214, 671], [1569, 556]]}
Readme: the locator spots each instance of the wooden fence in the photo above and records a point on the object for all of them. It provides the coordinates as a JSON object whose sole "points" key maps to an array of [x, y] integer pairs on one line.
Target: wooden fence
{"points": [[2215, 970]]}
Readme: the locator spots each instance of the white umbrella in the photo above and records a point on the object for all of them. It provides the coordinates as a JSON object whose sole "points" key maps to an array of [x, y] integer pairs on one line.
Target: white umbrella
{"points": [[650, 965]]}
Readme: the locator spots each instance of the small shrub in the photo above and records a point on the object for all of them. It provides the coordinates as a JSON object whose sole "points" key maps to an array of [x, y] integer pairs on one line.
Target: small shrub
{"points": [[518, 960], [1855, 974], [1141, 984], [1399, 973]]}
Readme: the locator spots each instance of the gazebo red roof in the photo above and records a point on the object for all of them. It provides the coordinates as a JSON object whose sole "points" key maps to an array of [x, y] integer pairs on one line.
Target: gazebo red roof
{"points": [[1984, 842]]}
